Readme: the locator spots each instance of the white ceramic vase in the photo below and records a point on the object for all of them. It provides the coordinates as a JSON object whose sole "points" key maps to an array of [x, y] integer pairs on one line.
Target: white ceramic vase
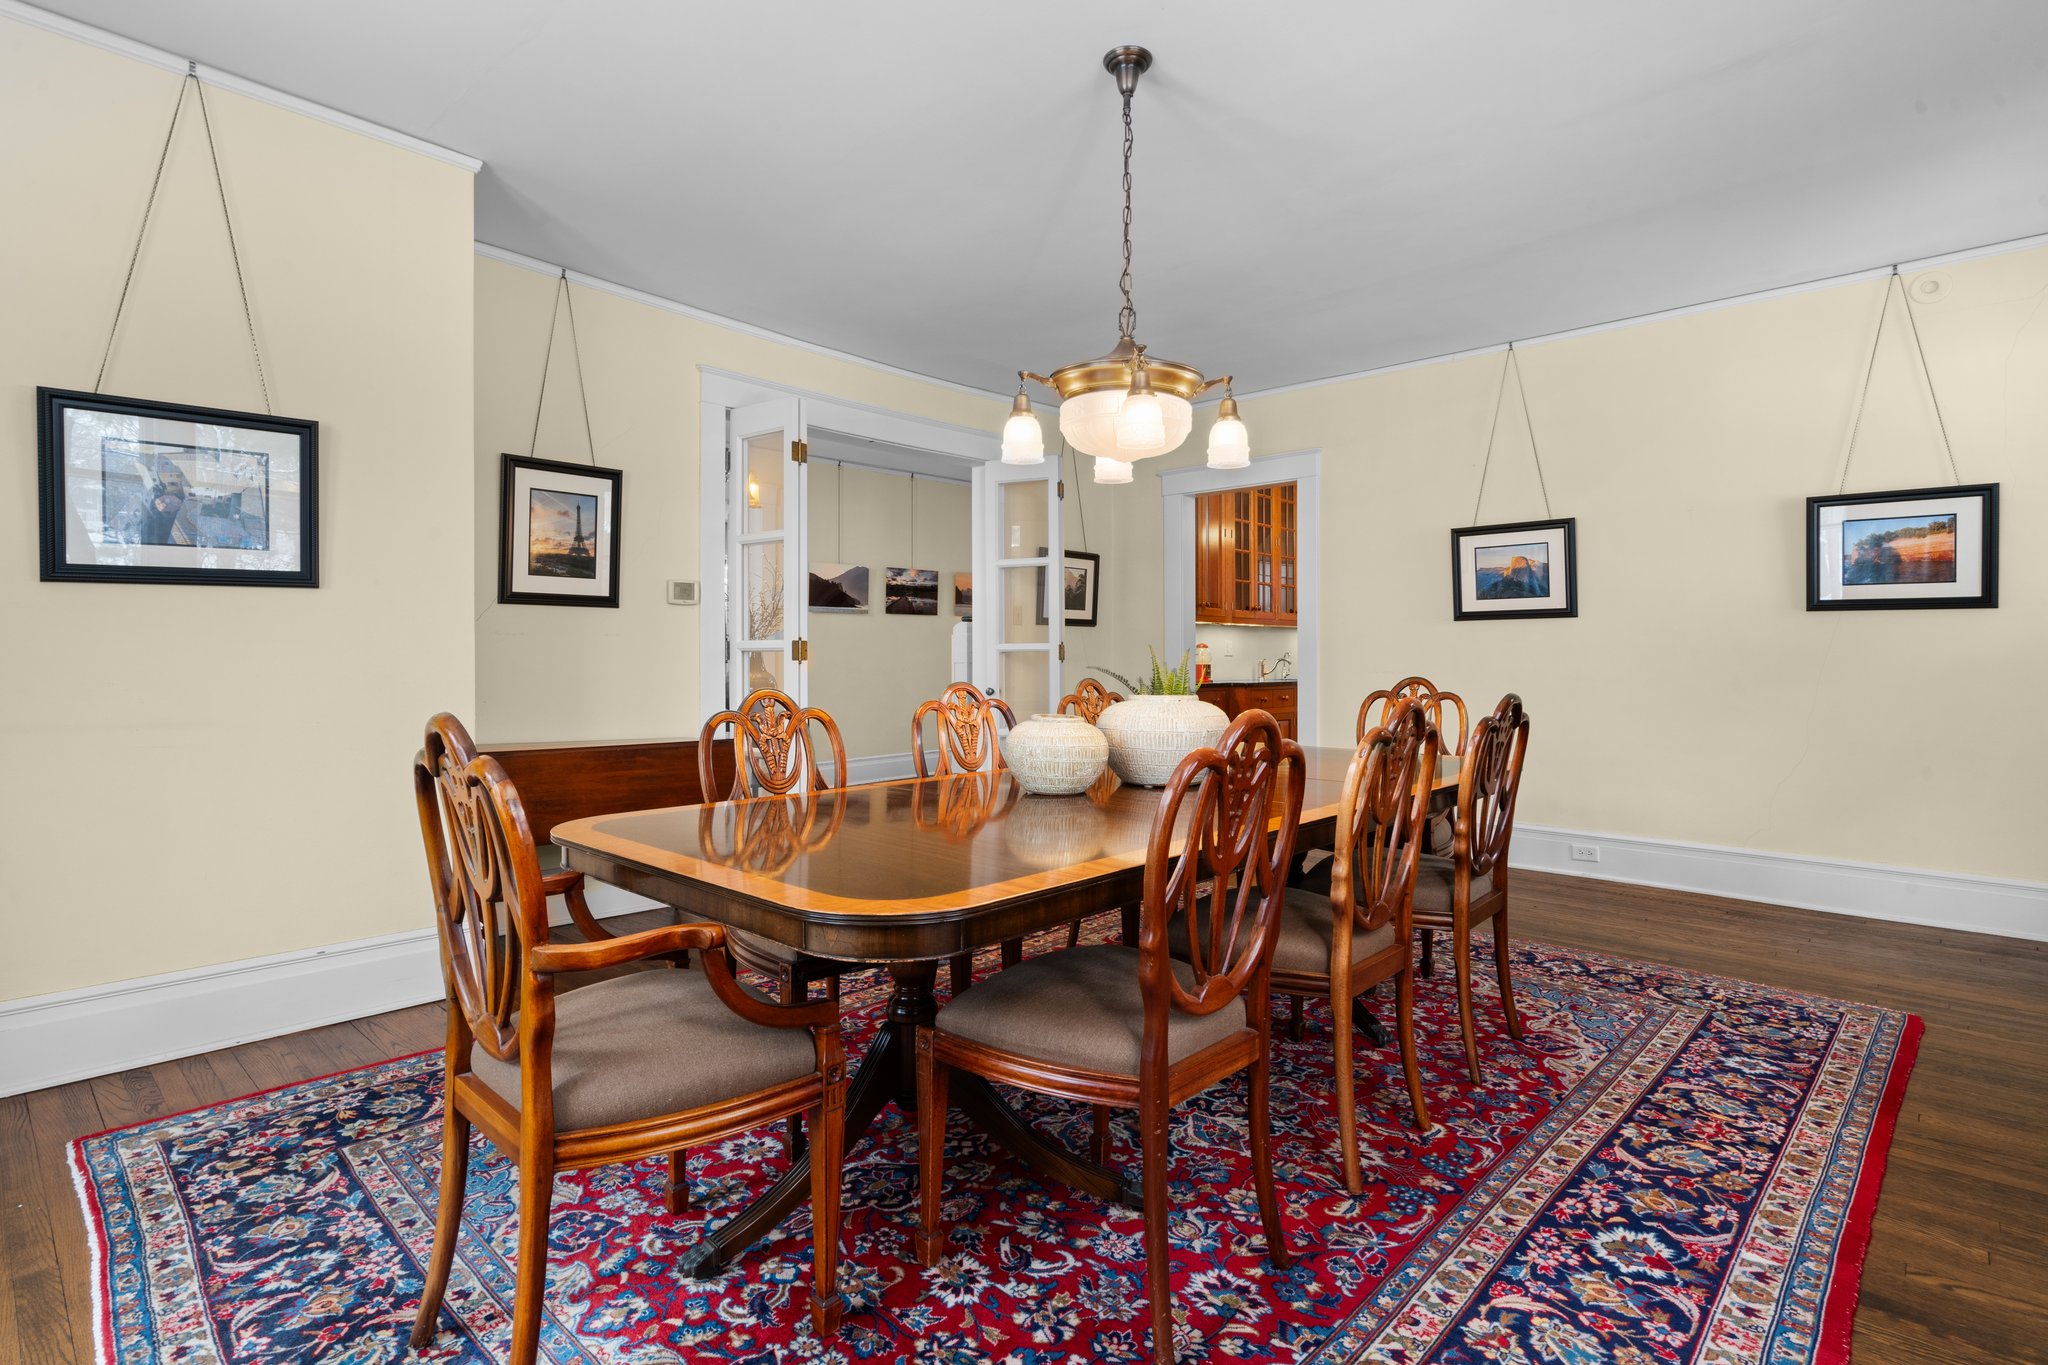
{"points": [[1055, 755], [1149, 736]]}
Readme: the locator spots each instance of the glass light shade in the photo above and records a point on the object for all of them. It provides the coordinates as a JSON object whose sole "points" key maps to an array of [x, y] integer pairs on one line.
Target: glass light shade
{"points": [[1140, 425], [1089, 422], [1230, 445], [1023, 440], [1108, 470]]}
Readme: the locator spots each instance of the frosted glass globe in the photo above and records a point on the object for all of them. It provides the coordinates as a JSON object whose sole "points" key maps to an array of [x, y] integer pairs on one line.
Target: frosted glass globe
{"points": [[1230, 445], [1023, 440], [1089, 422], [1108, 470]]}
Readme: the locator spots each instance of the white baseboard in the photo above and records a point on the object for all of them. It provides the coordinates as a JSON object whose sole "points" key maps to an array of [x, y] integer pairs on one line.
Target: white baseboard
{"points": [[72, 1035], [52, 1039], [1909, 895]]}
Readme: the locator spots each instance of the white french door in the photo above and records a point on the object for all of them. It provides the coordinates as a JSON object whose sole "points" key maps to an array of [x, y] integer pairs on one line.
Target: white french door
{"points": [[1019, 585], [767, 489]]}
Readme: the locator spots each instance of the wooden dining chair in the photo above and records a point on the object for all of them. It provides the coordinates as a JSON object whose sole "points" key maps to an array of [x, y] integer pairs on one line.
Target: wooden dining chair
{"points": [[1088, 700], [631, 1067], [1137, 1028], [775, 745], [1361, 933], [1470, 888], [1446, 712], [969, 741]]}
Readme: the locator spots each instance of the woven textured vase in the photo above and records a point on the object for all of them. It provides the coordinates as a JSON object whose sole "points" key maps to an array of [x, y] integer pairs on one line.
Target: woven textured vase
{"points": [[1055, 755], [1149, 736]]}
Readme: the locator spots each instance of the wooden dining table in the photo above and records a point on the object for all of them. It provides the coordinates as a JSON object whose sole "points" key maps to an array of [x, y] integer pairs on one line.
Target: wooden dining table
{"points": [[904, 875]]}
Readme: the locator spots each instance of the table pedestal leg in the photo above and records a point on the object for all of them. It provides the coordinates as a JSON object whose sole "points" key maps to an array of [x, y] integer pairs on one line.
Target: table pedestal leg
{"points": [[888, 1072]]}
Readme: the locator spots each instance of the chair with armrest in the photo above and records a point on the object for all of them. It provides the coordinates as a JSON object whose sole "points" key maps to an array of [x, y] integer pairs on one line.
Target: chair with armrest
{"points": [[1137, 1028], [1469, 888], [631, 1067]]}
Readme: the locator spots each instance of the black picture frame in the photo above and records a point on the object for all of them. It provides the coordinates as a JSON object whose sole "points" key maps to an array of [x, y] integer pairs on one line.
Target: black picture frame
{"points": [[1823, 553], [65, 491], [1088, 563], [514, 541], [1558, 532]]}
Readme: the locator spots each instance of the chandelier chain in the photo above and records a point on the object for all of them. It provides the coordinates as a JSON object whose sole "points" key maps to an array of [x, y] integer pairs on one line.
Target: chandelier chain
{"points": [[1127, 317]]}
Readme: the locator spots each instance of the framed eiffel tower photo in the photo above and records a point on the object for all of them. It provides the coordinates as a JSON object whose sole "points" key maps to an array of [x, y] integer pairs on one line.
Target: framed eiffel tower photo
{"points": [[558, 533]]}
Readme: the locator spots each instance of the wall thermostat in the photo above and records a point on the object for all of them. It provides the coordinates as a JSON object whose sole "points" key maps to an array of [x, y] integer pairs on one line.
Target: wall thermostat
{"points": [[682, 592]]}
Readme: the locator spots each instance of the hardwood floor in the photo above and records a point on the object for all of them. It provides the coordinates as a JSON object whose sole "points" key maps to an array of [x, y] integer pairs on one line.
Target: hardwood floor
{"points": [[1958, 1266]]}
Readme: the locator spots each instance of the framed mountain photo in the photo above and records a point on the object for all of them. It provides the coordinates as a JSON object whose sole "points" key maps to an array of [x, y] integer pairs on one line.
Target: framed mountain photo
{"points": [[1916, 547], [1515, 571]]}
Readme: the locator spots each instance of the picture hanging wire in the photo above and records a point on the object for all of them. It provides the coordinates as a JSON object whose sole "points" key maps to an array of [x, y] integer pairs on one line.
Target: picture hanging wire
{"points": [[1870, 367], [1494, 426], [562, 292], [191, 82], [1080, 502]]}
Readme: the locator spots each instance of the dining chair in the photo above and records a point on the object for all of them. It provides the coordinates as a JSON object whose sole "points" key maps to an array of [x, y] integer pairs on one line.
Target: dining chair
{"points": [[1378, 709], [1470, 888], [1136, 1028], [1089, 700], [968, 742], [1361, 933], [774, 744], [627, 1068]]}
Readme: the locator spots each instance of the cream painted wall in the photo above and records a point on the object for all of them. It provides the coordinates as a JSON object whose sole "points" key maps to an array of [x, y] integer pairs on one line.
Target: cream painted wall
{"points": [[197, 774], [583, 673], [870, 669], [1694, 698]]}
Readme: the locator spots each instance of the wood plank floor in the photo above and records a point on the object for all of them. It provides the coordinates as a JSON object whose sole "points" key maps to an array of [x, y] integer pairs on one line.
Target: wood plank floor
{"points": [[1958, 1266]]}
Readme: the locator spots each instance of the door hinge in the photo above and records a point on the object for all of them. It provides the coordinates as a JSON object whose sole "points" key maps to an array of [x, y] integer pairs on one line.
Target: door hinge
{"points": [[1060, 491], [800, 651], [1063, 651], [800, 452]]}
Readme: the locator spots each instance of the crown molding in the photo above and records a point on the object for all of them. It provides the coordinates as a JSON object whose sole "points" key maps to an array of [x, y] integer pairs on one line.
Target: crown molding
{"points": [[538, 266], [228, 80], [1662, 315]]}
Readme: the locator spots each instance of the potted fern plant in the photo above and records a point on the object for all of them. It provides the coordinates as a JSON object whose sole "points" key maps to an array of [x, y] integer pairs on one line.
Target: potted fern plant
{"points": [[1160, 721]]}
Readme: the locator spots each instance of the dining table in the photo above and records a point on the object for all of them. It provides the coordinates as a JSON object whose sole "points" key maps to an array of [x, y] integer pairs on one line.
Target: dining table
{"points": [[904, 875]]}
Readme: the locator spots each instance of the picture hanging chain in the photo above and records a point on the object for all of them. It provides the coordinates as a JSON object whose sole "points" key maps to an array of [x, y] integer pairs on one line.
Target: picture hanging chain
{"points": [[1080, 502], [1493, 427], [191, 82], [563, 293], [1870, 368]]}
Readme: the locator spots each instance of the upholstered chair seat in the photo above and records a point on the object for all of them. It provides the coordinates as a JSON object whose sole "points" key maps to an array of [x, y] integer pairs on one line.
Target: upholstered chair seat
{"points": [[1305, 935], [1081, 1008], [652, 1043], [1434, 881]]}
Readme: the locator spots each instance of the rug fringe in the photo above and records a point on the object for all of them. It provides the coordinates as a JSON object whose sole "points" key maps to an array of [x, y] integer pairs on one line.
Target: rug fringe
{"points": [[95, 1242]]}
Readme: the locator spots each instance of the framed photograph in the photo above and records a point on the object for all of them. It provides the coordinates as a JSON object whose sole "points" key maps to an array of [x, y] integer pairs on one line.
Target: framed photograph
{"points": [[1515, 571], [963, 596], [839, 587], [558, 533], [134, 491], [1918, 547], [1080, 588], [912, 592]]}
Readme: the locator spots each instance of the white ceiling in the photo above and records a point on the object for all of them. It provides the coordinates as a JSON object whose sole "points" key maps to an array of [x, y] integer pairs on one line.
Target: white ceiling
{"points": [[1321, 188]]}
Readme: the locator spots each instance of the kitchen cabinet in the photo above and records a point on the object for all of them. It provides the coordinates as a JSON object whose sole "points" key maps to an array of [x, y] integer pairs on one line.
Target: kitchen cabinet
{"points": [[1277, 697], [1245, 556]]}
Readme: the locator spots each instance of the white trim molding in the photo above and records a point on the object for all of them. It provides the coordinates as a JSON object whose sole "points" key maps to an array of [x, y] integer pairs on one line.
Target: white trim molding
{"points": [[72, 1035], [1907, 895], [229, 81]]}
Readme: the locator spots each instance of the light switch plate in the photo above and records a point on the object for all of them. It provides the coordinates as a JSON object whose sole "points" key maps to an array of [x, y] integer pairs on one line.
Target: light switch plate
{"points": [[682, 592]]}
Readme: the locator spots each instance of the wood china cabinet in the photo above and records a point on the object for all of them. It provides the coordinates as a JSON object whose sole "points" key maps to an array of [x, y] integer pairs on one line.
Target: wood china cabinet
{"points": [[1245, 545]]}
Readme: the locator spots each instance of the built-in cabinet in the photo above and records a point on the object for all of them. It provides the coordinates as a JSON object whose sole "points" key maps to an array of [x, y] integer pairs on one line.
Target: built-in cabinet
{"points": [[1278, 699], [1245, 546]]}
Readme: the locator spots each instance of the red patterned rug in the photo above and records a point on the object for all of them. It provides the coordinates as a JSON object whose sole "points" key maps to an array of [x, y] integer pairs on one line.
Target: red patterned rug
{"points": [[1668, 1167]]}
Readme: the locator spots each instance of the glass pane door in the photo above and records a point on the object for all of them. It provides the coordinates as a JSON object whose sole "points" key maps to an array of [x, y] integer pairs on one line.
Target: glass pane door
{"points": [[1019, 582], [765, 489]]}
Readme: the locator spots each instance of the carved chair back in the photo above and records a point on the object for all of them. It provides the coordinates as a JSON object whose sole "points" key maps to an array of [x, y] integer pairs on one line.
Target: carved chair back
{"points": [[1228, 877], [1380, 822], [1446, 711], [1488, 781], [492, 910], [967, 731], [775, 746], [1089, 700]]}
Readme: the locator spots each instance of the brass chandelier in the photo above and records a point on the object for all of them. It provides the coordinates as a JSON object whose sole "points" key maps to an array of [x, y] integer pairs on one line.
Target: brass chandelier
{"points": [[1125, 406]]}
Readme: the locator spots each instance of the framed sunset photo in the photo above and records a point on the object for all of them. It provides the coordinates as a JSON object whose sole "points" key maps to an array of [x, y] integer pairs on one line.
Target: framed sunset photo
{"points": [[558, 533], [1916, 547], [1514, 571]]}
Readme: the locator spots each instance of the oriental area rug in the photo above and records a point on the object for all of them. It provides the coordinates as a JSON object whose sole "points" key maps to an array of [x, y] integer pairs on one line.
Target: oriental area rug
{"points": [[1668, 1167]]}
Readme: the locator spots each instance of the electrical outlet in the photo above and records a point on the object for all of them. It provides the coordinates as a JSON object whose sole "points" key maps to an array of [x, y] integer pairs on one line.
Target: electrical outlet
{"points": [[1585, 853]]}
